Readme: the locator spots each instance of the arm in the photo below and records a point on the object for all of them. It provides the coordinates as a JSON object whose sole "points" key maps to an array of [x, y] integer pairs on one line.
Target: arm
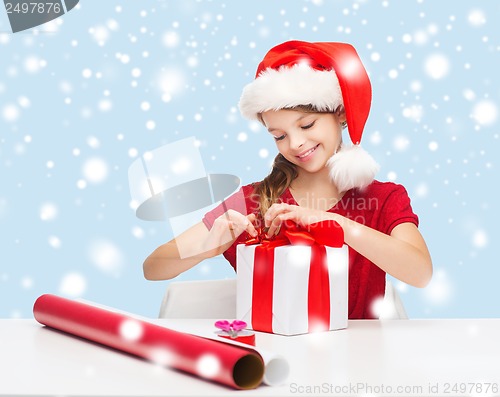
{"points": [[402, 254], [196, 244]]}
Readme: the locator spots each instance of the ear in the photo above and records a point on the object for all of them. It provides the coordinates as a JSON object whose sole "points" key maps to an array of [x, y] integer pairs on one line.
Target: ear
{"points": [[341, 114]]}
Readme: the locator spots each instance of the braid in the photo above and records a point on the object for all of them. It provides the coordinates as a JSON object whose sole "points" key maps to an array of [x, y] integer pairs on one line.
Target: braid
{"points": [[273, 186]]}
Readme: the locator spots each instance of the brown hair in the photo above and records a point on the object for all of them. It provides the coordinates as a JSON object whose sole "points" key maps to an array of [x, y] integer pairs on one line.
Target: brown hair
{"points": [[283, 172]]}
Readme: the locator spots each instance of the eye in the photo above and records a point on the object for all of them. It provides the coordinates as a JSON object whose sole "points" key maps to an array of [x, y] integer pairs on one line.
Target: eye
{"points": [[279, 138], [306, 127]]}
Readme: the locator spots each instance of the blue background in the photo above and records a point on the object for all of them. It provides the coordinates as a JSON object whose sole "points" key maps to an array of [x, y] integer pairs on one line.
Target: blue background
{"points": [[84, 95]]}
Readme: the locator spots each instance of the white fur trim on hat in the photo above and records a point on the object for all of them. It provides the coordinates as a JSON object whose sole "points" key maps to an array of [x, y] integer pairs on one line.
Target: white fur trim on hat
{"points": [[352, 167], [287, 87]]}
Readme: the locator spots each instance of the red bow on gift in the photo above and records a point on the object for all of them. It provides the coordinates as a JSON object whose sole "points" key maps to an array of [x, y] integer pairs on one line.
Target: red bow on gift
{"points": [[319, 234]]}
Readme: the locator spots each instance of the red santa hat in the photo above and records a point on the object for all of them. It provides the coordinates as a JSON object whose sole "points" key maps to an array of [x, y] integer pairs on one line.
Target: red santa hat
{"points": [[324, 75]]}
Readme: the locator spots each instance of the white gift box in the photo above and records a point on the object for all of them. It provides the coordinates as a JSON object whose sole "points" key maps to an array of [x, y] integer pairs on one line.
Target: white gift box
{"points": [[290, 287]]}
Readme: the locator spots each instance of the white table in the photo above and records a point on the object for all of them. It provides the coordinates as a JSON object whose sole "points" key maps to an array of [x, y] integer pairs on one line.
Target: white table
{"points": [[424, 357]]}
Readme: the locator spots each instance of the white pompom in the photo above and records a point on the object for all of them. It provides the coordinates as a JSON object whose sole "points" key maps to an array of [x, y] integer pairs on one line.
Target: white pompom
{"points": [[352, 167]]}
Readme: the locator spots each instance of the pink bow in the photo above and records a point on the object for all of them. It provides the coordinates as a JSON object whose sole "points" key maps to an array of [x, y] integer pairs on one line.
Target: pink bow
{"points": [[232, 328]]}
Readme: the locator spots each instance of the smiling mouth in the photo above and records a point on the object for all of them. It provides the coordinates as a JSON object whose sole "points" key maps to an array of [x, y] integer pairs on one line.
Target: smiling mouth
{"points": [[305, 154]]}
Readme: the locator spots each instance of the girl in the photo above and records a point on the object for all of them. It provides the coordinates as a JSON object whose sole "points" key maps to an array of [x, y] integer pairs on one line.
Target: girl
{"points": [[305, 94]]}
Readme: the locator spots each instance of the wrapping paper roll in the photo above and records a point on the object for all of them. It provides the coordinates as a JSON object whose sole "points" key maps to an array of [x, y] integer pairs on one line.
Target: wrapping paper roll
{"points": [[221, 362], [276, 368]]}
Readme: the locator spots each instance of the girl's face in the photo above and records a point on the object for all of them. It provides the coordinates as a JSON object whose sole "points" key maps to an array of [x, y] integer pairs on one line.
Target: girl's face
{"points": [[305, 139]]}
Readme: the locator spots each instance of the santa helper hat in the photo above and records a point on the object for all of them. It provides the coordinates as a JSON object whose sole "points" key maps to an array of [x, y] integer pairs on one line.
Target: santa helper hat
{"points": [[324, 75]]}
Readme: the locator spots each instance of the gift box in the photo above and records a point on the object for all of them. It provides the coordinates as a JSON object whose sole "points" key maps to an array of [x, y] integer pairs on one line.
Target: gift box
{"points": [[295, 284]]}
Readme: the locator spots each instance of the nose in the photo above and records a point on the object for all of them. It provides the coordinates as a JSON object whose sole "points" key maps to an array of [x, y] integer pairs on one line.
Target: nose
{"points": [[297, 140]]}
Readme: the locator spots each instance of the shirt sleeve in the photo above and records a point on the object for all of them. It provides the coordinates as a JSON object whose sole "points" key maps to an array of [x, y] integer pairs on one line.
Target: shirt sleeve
{"points": [[237, 201], [397, 209]]}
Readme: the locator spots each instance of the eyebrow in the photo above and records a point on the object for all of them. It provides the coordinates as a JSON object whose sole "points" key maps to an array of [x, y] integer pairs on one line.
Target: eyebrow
{"points": [[298, 119]]}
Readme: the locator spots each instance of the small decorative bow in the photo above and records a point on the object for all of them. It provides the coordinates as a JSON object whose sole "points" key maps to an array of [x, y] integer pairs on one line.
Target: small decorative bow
{"points": [[232, 328], [261, 236]]}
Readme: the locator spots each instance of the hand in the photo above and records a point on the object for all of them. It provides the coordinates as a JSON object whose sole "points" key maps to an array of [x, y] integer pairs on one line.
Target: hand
{"points": [[278, 214], [228, 227]]}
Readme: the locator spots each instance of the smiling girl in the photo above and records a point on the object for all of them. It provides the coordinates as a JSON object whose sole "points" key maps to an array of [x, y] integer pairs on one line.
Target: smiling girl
{"points": [[305, 94]]}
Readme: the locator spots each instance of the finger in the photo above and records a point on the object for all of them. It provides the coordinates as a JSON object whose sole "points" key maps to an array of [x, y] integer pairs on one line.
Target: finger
{"points": [[275, 225], [232, 229], [273, 211], [241, 223], [238, 218], [250, 227], [230, 225], [281, 220], [269, 215], [220, 234], [220, 224]]}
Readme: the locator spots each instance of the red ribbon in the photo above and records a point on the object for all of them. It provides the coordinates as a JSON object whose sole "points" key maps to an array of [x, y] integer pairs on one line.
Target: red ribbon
{"points": [[318, 235]]}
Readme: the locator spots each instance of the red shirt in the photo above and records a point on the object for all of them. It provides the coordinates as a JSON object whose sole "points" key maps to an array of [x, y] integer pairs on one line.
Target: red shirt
{"points": [[381, 206]]}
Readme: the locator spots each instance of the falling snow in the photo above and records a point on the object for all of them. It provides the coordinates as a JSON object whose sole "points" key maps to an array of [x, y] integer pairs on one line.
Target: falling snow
{"points": [[113, 82], [131, 330], [95, 170], [208, 366], [73, 285], [440, 290], [485, 112], [48, 212], [437, 66]]}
